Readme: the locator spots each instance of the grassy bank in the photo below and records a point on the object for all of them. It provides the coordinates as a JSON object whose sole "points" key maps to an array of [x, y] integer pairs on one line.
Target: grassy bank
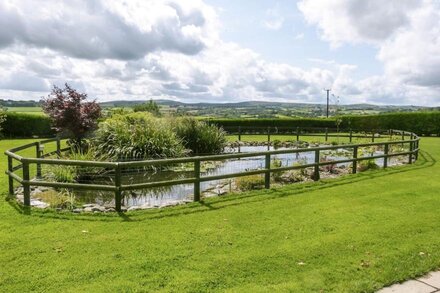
{"points": [[352, 234]]}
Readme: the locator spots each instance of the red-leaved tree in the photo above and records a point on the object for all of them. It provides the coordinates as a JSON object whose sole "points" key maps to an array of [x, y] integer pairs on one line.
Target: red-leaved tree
{"points": [[71, 113]]}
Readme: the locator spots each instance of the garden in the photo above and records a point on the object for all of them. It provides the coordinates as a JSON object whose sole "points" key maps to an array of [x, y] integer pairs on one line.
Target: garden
{"points": [[141, 160], [351, 233]]}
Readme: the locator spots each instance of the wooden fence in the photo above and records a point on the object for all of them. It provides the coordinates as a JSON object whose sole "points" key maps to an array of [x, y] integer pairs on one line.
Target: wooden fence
{"points": [[25, 163]]}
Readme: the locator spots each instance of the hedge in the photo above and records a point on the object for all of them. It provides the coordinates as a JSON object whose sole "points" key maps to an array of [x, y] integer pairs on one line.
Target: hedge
{"points": [[233, 124], [26, 125], [422, 123]]}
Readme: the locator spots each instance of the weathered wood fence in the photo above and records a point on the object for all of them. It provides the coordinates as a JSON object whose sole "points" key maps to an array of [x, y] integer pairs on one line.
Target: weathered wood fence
{"points": [[25, 163]]}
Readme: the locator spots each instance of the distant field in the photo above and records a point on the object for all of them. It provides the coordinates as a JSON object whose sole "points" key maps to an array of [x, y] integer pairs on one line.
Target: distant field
{"points": [[29, 110]]}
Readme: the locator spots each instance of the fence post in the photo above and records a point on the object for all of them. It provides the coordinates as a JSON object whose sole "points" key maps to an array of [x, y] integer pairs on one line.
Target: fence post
{"points": [[385, 158], [372, 136], [38, 154], [239, 133], [411, 150], [26, 184], [118, 193], [11, 180], [355, 156], [316, 171], [58, 147], [297, 134], [417, 150], [326, 134], [351, 135], [268, 134], [267, 174], [197, 181]]}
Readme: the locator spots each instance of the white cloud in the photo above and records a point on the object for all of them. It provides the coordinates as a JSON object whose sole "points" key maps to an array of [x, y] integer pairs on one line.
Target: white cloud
{"points": [[357, 21], [406, 34], [107, 29], [172, 49]]}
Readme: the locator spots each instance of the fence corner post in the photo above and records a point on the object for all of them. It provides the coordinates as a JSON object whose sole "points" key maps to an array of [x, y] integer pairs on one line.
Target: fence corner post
{"points": [[326, 134], [26, 184], [197, 181], [267, 174], [316, 170], [11, 180], [297, 134], [351, 135], [118, 192]]}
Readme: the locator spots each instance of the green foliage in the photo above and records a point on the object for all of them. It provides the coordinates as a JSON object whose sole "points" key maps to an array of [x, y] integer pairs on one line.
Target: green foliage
{"points": [[422, 123], [63, 199], [277, 143], [281, 123], [298, 238], [26, 125], [71, 174], [2, 117], [250, 182], [60, 173], [199, 137], [137, 136], [150, 107]]}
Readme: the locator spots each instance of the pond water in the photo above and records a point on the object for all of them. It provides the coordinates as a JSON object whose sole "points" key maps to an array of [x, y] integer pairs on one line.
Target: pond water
{"points": [[162, 196]]}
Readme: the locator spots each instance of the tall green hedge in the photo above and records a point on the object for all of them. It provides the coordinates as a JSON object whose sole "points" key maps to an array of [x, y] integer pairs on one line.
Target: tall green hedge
{"points": [[233, 124], [26, 125], [422, 123]]}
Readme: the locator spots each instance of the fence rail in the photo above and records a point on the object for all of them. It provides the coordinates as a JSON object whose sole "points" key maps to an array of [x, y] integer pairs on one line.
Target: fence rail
{"points": [[116, 167]]}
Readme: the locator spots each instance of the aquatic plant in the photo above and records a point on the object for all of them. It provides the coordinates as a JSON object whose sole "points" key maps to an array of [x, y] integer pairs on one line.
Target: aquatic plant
{"points": [[200, 137]]}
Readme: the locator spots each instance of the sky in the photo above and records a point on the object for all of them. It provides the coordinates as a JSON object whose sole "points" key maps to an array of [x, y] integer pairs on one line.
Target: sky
{"points": [[375, 51]]}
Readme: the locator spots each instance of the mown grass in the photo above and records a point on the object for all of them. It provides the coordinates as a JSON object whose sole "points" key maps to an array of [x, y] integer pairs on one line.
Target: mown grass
{"points": [[27, 110], [353, 234]]}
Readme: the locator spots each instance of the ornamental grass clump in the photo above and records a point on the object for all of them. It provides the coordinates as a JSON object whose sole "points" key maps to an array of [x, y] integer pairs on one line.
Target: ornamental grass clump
{"points": [[137, 136], [200, 137]]}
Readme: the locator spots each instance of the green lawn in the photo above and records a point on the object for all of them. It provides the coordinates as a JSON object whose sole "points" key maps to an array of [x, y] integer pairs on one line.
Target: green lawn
{"points": [[353, 234], [27, 110]]}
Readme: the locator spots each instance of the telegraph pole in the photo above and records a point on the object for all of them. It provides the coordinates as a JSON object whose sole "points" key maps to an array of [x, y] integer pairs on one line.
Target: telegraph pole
{"points": [[328, 100]]}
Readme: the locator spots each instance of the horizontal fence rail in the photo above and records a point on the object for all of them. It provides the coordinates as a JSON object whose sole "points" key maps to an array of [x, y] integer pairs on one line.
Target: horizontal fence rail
{"points": [[116, 168]]}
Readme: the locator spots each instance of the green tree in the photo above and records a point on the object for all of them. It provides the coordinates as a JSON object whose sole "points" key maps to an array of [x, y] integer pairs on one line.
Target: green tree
{"points": [[151, 107]]}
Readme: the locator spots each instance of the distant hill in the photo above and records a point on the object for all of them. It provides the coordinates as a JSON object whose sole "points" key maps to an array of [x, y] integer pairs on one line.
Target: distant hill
{"points": [[122, 103]]}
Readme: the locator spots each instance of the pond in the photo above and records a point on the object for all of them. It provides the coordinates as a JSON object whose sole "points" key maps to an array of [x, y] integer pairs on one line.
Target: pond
{"points": [[171, 195]]}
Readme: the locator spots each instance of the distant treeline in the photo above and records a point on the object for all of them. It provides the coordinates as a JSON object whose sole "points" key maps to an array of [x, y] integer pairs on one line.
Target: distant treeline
{"points": [[423, 123], [11, 103]]}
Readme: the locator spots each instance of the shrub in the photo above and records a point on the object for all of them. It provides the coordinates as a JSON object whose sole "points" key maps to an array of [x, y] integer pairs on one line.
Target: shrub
{"points": [[250, 182], [2, 118], [199, 137], [150, 107], [70, 113], [26, 125], [137, 136], [60, 173], [423, 123], [63, 199]]}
